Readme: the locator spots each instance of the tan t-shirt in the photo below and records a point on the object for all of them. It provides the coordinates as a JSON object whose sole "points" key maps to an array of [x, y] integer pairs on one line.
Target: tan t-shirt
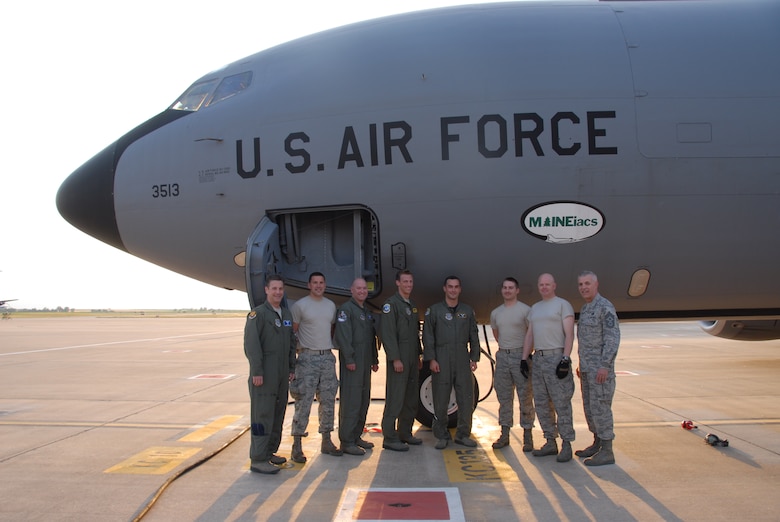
{"points": [[511, 323], [314, 320], [547, 320]]}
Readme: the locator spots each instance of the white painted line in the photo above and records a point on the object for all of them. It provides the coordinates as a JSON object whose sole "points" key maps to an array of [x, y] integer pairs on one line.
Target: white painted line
{"points": [[98, 345]]}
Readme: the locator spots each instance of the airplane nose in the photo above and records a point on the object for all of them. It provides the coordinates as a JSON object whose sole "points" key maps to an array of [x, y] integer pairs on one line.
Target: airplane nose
{"points": [[86, 198]]}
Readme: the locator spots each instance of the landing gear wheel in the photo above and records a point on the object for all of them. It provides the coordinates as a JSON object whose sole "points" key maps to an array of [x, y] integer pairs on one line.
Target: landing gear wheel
{"points": [[425, 407]]}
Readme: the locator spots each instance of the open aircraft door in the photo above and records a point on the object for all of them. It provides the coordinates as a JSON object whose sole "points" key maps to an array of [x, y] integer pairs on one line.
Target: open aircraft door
{"points": [[263, 253], [341, 242]]}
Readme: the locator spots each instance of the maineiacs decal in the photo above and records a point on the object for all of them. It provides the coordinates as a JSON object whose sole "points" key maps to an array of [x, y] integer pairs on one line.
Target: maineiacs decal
{"points": [[563, 221]]}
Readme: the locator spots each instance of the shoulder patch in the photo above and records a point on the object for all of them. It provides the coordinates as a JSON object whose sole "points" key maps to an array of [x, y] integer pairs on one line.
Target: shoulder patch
{"points": [[342, 317], [251, 315], [386, 308], [428, 311], [609, 320]]}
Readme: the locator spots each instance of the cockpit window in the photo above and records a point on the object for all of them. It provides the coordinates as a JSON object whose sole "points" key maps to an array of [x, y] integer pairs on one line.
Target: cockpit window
{"points": [[209, 92], [231, 86], [193, 98]]}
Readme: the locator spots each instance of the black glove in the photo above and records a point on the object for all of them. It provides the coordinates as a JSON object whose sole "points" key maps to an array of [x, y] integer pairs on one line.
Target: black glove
{"points": [[563, 369], [524, 369]]}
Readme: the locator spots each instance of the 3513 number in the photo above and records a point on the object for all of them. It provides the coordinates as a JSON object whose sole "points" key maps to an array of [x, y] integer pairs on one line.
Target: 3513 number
{"points": [[168, 190]]}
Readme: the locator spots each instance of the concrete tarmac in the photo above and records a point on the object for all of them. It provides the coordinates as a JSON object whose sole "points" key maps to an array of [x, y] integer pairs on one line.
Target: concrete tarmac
{"points": [[105, 419]]}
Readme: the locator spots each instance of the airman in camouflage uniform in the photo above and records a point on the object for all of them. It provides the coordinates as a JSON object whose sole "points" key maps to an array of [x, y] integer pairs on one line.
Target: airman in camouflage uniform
{"points": [[598, 338], [510, 324], [551, 336], [315, 369]]}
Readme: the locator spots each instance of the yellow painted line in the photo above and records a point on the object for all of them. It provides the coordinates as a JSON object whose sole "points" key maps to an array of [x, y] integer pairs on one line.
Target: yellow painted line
{"points": [[154, 461], [476, 465], [211, 428]]}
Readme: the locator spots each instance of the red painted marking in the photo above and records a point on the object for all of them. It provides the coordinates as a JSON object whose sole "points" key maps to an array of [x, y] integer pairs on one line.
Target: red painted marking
{"points": [[402, 505], [212, 376]]}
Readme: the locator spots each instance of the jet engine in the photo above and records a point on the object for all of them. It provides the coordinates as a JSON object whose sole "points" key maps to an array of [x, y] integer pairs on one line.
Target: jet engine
{"points": [[743, 330]]}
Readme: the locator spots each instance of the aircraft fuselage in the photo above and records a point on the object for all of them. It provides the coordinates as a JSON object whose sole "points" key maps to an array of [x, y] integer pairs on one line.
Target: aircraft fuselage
{"points": [[634, 139]]}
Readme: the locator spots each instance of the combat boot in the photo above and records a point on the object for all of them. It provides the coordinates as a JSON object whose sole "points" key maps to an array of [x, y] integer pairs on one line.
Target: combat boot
{"points": [[565, 454], [528, 440], [328, 447], [549, 448], [365, 444], [503, 440], [604, 456], [297, 450], [264, 467], [590, 450]]}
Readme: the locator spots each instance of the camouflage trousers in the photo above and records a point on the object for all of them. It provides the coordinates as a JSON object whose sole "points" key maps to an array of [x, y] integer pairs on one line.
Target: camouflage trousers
{"points": [[552, 396], [597, 402], [507, 380], [315, 376]]}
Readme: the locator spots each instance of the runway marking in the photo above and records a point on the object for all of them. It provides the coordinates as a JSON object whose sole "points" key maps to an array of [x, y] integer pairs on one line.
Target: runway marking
{"points": [[397, 504], [211, 428], [112, 343], [476, 465], [217, 376], [626, 372], [76, 424], [157, 460]]}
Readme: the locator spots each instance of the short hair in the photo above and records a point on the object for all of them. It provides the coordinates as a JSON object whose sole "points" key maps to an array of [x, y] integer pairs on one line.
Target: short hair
{"points": [[449, 277], [511, 280], [315, 274], [585, 273], [405, 271], [273, 277]]}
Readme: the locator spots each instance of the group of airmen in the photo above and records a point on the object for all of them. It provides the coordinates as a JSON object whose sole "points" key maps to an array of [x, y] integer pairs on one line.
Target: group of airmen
{"points": [[291, 351]]}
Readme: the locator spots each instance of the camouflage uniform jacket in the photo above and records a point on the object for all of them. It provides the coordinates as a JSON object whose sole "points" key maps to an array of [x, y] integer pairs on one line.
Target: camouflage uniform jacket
{"points": [[598, 335]]}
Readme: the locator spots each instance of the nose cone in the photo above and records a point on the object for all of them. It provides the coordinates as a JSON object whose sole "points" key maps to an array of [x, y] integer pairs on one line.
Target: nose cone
{"points": [[86, 198]]}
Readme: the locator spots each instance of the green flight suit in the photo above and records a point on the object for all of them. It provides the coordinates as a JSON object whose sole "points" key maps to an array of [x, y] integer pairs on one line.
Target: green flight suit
{"points": [[269, 346], [400, 328], [356, 341], [446, 334]]}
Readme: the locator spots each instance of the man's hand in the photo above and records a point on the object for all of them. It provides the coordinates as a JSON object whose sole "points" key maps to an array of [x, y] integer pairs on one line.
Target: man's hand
{"points": [[351, 367], [434, 366], [398, 366], [601, 375], [257, 380], [524, 368], [473, 366], [374, 368]]}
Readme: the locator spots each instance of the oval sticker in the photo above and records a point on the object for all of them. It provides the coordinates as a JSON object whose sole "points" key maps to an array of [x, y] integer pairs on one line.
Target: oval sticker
{"points": [[563, 221]]}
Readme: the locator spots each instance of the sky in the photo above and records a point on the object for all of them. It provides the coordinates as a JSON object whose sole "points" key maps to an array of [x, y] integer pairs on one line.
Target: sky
{"points": [[77, 75]]}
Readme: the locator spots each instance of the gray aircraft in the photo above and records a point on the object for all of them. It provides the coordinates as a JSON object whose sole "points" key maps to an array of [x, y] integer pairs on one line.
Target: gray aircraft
{"points": [[634, 139]]}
